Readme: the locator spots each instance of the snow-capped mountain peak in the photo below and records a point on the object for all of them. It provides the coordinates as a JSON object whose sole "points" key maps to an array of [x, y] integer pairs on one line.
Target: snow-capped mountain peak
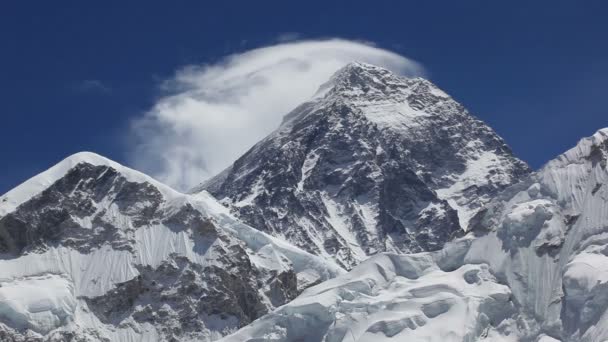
{"points": [[357, 76], [35, 185], [364, 82], [373, 162], [93, 249]]}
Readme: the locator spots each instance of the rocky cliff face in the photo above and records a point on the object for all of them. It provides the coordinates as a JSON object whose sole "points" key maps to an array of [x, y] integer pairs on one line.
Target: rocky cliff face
{"points": [[374, 162], [92, 250], [534, 267]]}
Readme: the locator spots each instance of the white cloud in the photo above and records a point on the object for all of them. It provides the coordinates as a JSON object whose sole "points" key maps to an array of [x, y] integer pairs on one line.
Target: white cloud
{"points": [[216, 112], [93, 86]]}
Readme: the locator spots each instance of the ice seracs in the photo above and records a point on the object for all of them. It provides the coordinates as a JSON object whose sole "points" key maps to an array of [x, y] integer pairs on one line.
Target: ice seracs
{"points": [[394, 298], [374, 162]]}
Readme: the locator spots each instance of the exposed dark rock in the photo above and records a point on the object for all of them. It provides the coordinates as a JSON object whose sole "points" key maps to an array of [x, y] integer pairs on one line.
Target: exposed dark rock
{"points": [[52, 216], [351, 174]]}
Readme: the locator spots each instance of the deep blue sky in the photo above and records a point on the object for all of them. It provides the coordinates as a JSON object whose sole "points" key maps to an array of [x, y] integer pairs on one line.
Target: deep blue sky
{"points": [[536, 71]]}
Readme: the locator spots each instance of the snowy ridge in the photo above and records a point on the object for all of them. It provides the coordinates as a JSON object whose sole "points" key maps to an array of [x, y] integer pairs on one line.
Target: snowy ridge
{"points": [[582, 150], [118, 230], [40, 182]]}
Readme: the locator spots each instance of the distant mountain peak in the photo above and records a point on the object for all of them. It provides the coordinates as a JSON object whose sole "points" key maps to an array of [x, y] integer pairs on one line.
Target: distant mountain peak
{"points": [[33, 186], [361, 68], [362, 77], [391, 101], [373, 162], [368, 76]]}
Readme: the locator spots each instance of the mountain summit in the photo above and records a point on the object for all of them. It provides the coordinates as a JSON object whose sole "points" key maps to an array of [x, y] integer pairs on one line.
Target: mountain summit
{"points": [[373, 162]]}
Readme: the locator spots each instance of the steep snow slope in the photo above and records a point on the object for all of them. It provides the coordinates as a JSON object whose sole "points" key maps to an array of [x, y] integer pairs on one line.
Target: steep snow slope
{"points": [[547, 241], [97, 251], [374, 162], [533, 268]]}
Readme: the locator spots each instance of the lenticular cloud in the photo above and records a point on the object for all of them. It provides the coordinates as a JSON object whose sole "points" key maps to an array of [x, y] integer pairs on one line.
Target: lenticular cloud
{"points": [[215, 112]]}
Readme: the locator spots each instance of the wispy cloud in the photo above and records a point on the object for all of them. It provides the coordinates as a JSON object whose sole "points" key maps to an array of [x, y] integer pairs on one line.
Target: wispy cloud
{"points": [[214, 113], [288, 37], [92, 86]]}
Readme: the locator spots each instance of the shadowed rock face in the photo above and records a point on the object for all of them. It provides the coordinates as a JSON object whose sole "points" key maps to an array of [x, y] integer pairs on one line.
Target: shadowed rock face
{"points": [[379, 163], [215, 288], [53, 216], [348, 177], [183, 298], [9, 335]]}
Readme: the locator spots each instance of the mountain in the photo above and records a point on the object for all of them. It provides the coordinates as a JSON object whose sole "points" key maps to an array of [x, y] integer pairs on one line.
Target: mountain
{"points": [[374, 162], [546, 238], [533, 267], [93, 251], [391, 297], [379, 211]]}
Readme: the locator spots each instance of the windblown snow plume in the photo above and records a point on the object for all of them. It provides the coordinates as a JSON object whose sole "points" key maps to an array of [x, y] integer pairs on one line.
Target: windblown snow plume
{"points": [[214, 113]]}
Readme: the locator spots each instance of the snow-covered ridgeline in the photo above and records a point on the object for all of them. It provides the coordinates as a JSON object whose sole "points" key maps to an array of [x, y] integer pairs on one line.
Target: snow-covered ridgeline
{"points": [[374, 162], [40, 182], [71, 271]]}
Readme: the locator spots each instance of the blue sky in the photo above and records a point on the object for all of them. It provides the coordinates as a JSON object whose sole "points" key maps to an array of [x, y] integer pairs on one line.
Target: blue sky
{"points": [[75, 74]]}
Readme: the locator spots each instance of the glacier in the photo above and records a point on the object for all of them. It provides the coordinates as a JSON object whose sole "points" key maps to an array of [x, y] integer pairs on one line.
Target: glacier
{"points": [[392, 297]]}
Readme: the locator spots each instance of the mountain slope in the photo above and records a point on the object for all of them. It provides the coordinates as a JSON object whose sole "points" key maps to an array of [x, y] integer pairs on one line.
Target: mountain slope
{"points": [[532, 268], [547, 240], [374, 162], [95, 251]]}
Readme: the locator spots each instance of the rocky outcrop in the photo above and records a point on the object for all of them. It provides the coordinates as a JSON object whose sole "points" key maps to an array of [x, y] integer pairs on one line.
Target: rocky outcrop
{"points": [[53, 216]]}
